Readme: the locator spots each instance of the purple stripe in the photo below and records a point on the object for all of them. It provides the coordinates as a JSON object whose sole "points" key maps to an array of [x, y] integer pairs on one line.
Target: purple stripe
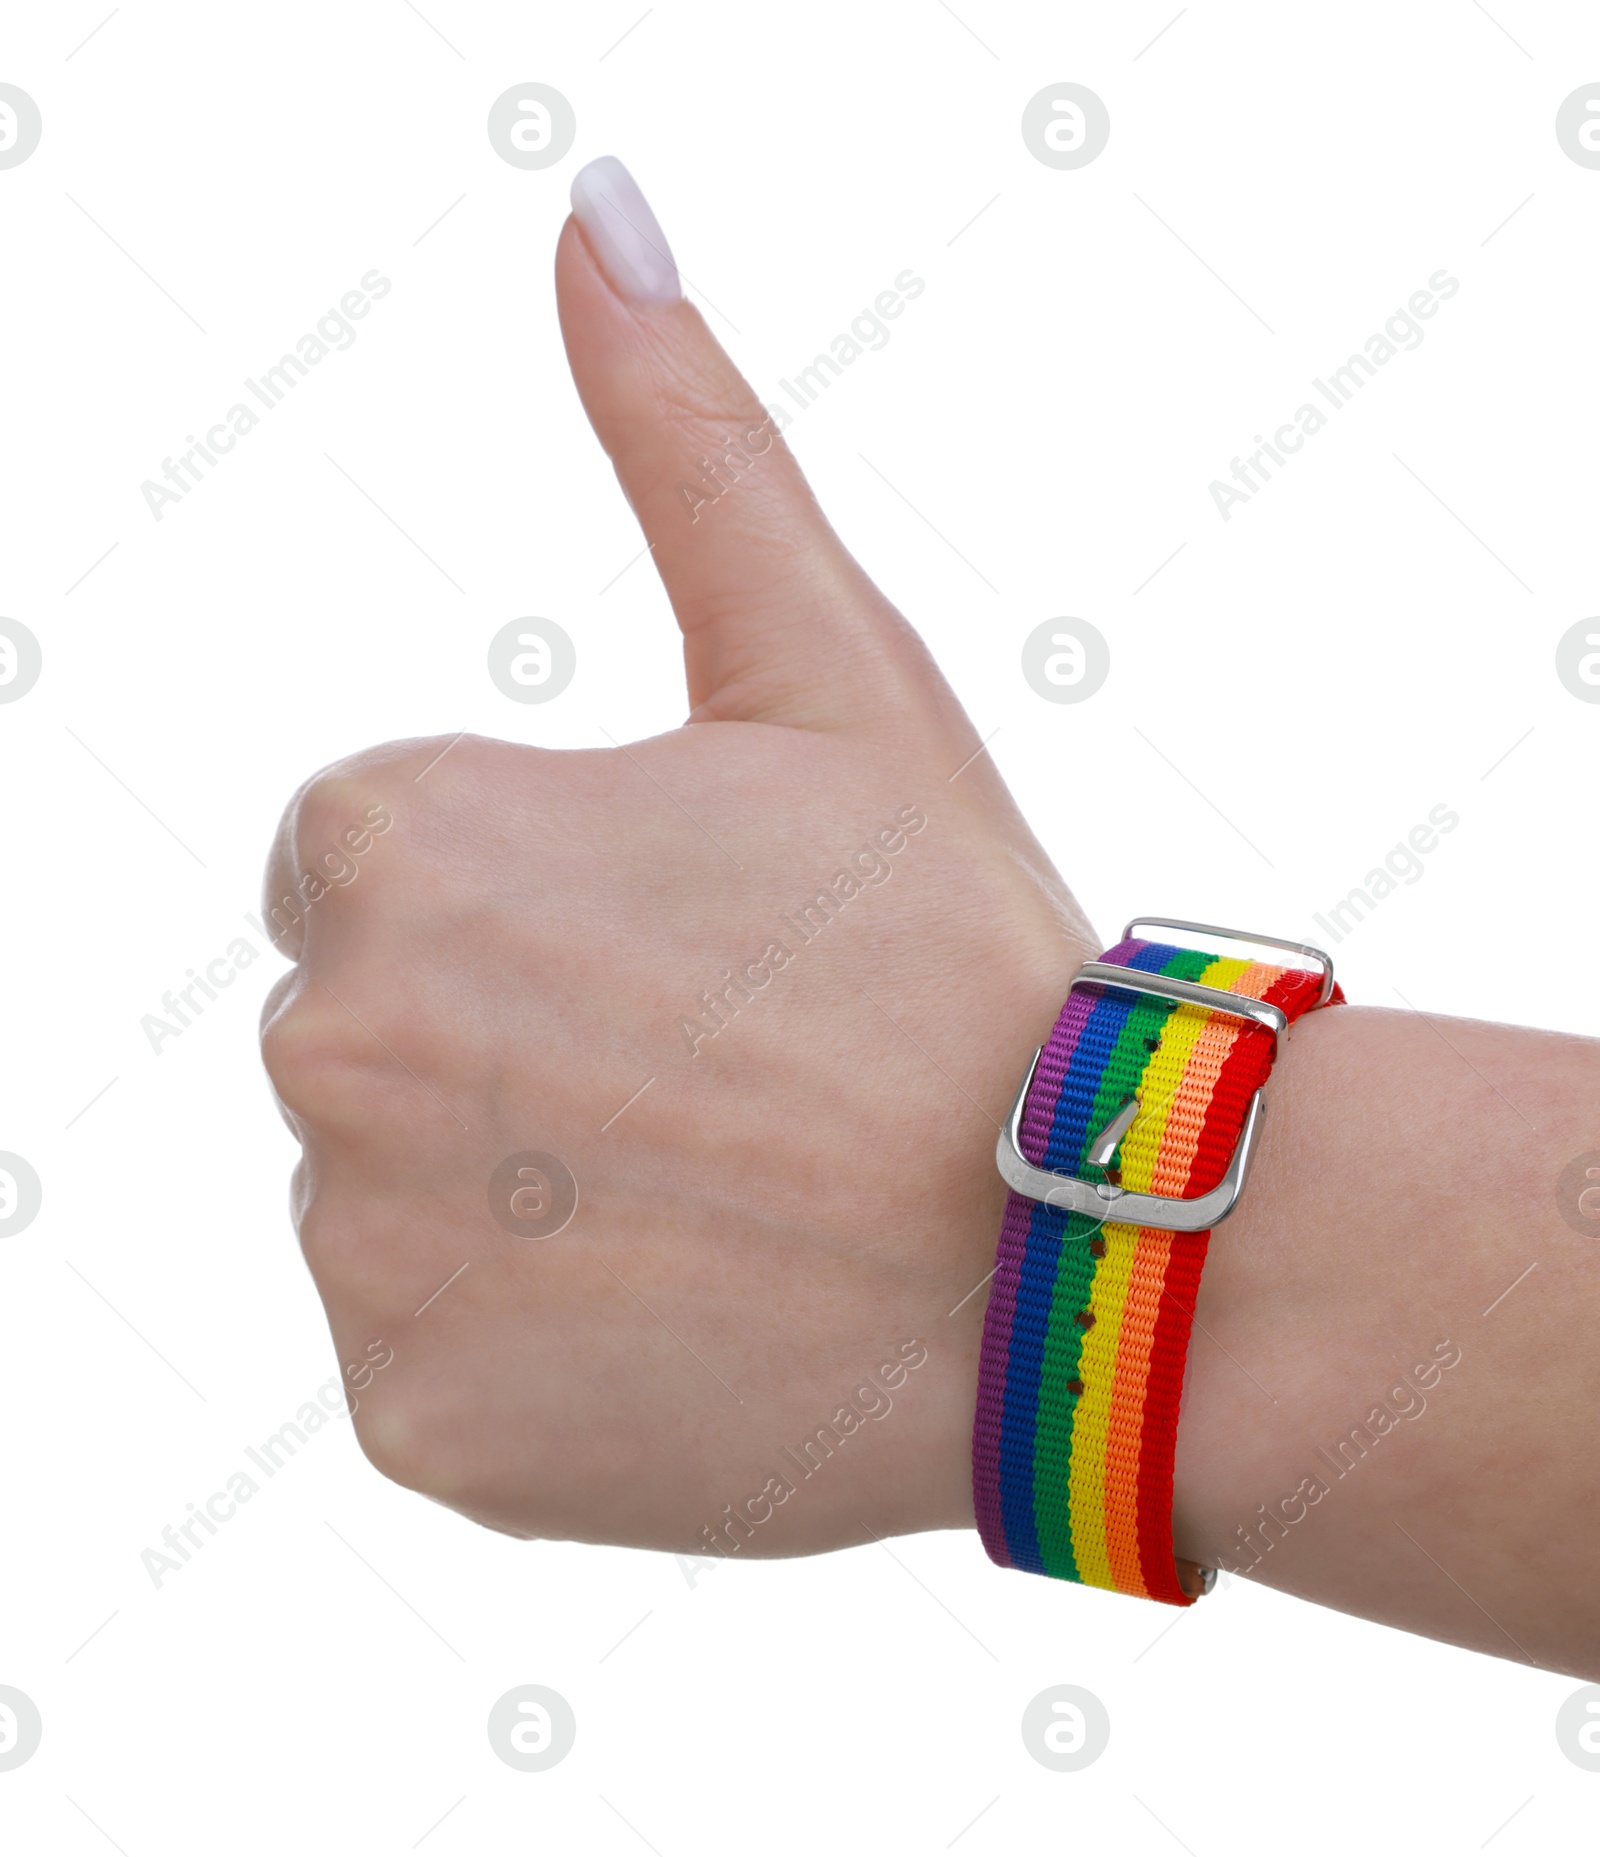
{"points": [[1037, 1119], [990, 1415]]}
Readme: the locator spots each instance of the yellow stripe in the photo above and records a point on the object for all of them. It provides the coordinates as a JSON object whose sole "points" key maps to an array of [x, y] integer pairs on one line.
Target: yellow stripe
{"points": [[1091, 1422], [1159, 1085]]}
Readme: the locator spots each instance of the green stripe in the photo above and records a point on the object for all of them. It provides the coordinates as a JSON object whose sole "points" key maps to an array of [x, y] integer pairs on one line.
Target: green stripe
{"points": [[1074, 1283], [1052, 1433]]}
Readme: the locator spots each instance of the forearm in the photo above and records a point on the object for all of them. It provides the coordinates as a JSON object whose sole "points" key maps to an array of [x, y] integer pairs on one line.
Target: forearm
{"points": [[1405, 1182]]}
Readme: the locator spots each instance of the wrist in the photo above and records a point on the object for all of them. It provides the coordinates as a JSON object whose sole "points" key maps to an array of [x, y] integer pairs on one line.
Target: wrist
{"points": [[1130, 1138]]}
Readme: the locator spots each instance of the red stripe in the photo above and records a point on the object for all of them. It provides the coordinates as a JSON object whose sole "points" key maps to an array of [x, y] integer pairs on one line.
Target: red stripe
{"points": [[1243, 1072], [1169, 1350]]}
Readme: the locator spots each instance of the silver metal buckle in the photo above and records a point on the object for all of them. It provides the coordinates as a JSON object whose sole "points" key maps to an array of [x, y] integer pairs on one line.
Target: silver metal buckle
{"points": [[1103, 1200]]}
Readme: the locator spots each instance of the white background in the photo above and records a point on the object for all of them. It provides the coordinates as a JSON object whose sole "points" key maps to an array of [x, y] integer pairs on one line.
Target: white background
{"points": [[1339, 657]]}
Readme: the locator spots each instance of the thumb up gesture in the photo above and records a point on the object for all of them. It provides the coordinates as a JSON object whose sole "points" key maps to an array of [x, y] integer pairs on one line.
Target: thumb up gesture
{"points": [[647, 1096]]}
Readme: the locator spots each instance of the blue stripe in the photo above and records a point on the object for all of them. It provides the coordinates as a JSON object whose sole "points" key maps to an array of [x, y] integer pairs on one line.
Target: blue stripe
{"points": [[1030, 1323], [1069, 1129]]}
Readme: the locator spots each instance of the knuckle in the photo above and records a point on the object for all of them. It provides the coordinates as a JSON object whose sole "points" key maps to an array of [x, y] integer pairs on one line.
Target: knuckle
{"points": [[336, 817], [399, 1436], [410, 1419], [420, 1434], [329, 826], [344, 1254], [350, 1067], [317, 1058]]}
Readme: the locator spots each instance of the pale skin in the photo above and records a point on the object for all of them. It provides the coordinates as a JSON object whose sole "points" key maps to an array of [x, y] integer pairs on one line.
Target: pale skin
{"points": [[796, 1198]]}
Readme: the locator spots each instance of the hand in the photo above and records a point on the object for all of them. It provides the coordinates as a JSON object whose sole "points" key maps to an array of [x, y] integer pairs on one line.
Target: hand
{"points": [[765, 985]]}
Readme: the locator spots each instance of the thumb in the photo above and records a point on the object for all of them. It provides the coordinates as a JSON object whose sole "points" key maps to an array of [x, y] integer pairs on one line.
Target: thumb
{"points": [[779, 622]]}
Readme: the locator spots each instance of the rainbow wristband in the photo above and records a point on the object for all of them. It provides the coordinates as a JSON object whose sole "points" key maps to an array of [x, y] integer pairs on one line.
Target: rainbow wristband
{"points": [[1087, 1330]]}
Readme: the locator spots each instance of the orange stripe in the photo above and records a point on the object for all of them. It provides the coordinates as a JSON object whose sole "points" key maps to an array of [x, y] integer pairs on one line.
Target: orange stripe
{"points": [[1187, 1116], [1147, 1280], [1126, 1426]]}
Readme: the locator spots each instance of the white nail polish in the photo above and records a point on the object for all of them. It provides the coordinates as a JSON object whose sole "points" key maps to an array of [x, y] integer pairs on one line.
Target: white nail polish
{"points": [[624, 234]]}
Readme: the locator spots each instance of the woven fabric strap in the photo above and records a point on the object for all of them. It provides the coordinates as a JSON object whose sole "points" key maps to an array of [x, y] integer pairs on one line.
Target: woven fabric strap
{"points": [[1087, 1330]]}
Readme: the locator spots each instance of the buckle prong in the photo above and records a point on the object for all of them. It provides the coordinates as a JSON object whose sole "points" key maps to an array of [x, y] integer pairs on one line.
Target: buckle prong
{"points": [[1104, 1144], [1101, 1200]]}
